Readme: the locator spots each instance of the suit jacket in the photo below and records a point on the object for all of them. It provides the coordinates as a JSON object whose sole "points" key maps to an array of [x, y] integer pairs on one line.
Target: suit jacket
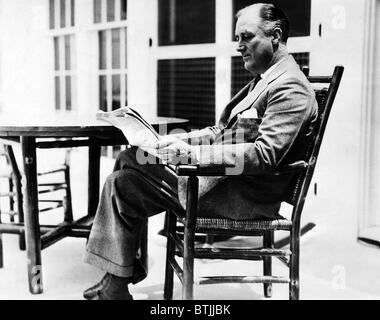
{"points": [[257, 132]]}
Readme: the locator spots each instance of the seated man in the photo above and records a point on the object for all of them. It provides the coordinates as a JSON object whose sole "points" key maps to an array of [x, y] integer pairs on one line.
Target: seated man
{"points": [[267, 124]]}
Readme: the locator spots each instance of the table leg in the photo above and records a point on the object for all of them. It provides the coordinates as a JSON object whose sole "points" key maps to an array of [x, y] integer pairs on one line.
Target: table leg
{"points": [[32, 228], [93, 177]]}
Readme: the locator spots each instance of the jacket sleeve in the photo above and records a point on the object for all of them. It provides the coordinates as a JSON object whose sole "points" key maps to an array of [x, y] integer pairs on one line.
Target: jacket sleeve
{"points": [[204, 136], [289, 106]]}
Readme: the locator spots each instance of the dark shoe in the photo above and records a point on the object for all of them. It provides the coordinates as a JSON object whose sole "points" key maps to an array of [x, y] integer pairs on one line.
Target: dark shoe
{"points": [[105, 295], [109, 288], [93, 291]]}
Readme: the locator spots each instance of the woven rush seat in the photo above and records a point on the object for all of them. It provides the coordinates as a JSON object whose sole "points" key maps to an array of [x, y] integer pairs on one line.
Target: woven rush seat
{"points": [[242, 225]]}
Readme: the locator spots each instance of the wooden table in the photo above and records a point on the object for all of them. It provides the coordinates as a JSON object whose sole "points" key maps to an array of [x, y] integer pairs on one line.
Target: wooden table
{"points": [[68, 131]]}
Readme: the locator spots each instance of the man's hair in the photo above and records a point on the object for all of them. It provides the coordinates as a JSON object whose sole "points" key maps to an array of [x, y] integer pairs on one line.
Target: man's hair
{"points": [[272, 18]]}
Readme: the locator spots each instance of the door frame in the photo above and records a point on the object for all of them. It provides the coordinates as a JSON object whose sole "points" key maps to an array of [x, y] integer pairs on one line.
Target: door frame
{"points": [[368, 231]]}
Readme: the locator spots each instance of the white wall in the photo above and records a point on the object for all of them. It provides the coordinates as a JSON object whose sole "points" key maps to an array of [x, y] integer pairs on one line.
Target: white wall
{"points": [[370, 152], [141, 65], [337, 172], [86, 57], [26, 56]]}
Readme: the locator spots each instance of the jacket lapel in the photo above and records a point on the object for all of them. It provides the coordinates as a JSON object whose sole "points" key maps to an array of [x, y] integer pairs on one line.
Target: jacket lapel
{"points": [[249, 99], [225, 116], [261, 86]]}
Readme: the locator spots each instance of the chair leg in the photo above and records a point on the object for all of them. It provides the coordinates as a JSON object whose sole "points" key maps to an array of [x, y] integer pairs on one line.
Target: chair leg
{"points": [[11, 199], [16, 176], [189, 237], [164, 230], [267, 262], [20, 211], [170, 226], [294, 267], [188, 266], [1, 251], [1, 247], [67, 203], [1, 235]]}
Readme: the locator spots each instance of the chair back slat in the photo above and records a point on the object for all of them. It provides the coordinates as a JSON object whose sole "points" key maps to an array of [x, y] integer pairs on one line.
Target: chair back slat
{"points": [[319, 79], [325, 96], [321, 96]]}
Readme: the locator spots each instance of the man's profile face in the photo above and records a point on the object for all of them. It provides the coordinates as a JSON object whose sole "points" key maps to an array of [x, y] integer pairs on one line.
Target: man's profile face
{"points": [[255, 47]]}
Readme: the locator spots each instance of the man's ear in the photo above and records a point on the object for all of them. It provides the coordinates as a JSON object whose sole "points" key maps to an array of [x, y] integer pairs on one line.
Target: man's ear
{"points": [[277, 36]]}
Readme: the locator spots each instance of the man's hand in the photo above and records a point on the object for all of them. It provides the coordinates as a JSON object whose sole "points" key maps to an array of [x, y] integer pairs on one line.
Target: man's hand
{"points": [[175, 151], [167, 140]]}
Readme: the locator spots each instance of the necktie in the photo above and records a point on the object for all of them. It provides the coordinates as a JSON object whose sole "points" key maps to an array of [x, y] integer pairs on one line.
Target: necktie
{"points": [[254, 83]]}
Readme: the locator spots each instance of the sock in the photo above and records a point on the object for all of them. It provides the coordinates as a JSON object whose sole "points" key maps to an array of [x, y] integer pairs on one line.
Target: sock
{"points": [[119, 282]]}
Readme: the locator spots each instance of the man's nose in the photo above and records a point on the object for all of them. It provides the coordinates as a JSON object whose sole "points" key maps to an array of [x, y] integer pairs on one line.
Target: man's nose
{"points": [[240, 47]]}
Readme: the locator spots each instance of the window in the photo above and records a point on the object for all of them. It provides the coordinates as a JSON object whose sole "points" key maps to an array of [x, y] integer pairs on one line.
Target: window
{"points": [[61, 23], [186, 81], [111, 16], [298, 12], [61, 13], [186, 89], [110, 19], [239, 76], [110, 10], [186, 22]]}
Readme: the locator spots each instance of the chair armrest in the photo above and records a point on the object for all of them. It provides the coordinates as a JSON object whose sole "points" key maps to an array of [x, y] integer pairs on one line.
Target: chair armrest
{"points": [[195, 170], [291, 168]]}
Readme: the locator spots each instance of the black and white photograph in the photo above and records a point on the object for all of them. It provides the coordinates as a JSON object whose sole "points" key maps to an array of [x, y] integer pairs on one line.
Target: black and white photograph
{"points": [[192, 150]]}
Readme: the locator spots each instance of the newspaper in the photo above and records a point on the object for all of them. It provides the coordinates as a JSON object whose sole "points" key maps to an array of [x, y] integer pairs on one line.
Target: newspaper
{"points": [[135, 128]]}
